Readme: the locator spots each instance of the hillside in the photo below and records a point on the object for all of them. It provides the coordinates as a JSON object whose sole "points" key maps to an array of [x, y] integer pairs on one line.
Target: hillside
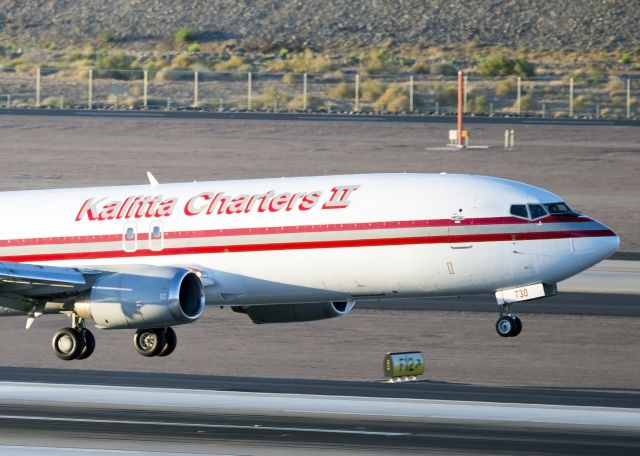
{"points": [[323, 24]]}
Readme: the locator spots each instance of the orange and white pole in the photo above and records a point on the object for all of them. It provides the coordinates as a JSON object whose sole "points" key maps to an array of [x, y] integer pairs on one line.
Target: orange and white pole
{"points": [[460, 106]]}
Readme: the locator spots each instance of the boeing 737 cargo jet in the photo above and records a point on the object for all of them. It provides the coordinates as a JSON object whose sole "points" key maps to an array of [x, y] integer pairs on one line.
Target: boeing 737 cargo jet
{"points": [[150, 257]]}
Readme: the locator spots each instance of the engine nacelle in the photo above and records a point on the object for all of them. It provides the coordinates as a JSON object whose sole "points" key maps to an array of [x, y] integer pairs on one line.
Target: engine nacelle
{"points": [[145, 297], [288, 313]]}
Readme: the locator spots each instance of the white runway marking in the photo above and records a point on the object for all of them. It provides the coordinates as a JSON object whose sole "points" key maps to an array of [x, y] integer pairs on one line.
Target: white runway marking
{"points": [[11, 450], [256, 427]]}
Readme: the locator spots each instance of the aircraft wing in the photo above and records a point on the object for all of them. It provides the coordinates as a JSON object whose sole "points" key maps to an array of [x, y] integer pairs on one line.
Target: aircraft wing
{"points": [[27, 287]]}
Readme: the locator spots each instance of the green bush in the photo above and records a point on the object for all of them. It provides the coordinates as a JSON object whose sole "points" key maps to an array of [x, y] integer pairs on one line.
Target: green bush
{"points": [[478, 104], [186, 35], [421, 68], [444, 69], [497, 64], [447, 96], [117, 65], [193, 47], [625, 58], [341, 91]]}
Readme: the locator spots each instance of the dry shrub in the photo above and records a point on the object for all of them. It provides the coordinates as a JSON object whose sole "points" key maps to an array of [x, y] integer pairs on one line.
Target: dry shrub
{"points": [[394, 99], [371, 89], [341, 91]]}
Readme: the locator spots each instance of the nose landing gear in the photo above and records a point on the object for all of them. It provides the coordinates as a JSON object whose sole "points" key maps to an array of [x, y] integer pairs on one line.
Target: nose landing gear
{"points": [[508, 325]]}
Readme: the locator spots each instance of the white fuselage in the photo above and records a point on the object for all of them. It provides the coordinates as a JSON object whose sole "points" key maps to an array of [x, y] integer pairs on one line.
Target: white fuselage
{"points": [[311, 239]]}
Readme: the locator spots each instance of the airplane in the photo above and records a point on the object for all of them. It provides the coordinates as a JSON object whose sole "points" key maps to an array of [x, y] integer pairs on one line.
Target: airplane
{"points": [[149, 257]]}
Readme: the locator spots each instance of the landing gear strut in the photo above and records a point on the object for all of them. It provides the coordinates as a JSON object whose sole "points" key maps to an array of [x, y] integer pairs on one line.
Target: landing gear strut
{"points": [[508, 325], [155, 341], [76, 342]]}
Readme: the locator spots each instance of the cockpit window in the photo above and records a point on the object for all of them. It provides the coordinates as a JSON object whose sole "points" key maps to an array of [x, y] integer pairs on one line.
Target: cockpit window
{"points": [[519, 210], [559, 209], [536, 211]]}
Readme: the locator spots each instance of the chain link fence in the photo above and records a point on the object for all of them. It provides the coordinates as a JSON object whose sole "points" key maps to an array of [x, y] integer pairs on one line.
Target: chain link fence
{"points": [[180, 89]]}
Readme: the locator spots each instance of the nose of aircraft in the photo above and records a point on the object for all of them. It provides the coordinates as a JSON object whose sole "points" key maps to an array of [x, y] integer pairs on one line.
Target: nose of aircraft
{"points": [[595, 245]]}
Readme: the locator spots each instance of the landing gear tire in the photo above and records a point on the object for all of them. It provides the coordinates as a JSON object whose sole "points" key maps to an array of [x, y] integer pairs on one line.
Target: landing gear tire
{"points": [[171, 341], [508, 326], [518, 328], [89, 344], [68, 344], [149, 342]]}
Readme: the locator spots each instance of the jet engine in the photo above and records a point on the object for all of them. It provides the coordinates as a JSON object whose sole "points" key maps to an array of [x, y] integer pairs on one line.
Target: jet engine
{"points": [[145, 297], [288, 313]]}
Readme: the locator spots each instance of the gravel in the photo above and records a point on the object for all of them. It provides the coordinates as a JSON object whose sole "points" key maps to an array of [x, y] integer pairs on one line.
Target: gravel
{"points": [[525, 24]]}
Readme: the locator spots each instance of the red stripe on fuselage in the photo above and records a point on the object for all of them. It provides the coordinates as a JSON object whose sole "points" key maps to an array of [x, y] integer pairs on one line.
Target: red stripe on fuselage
{"points": [[260, 247], [61, 240]]}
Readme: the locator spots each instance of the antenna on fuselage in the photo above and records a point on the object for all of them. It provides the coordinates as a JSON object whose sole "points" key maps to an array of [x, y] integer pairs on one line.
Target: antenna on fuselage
{"points": [[152, 180]]}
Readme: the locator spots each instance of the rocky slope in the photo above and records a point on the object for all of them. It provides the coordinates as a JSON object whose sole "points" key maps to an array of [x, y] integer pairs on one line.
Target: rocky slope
{"points": [[526, 24]]}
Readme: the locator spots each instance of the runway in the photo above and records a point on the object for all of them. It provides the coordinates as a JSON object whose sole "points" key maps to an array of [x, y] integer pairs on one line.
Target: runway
{"points": [[337, 117], [147, 420]]}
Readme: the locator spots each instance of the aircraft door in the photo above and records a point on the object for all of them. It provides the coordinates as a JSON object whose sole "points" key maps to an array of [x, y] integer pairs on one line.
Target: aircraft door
{"points": [[462, 224]]}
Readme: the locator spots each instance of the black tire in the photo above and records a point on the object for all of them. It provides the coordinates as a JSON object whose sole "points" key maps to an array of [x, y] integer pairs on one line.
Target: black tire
{"points": [[149, 342], [171, 342], [67, 344], [518, 327], [505, 326], [89, 344]]}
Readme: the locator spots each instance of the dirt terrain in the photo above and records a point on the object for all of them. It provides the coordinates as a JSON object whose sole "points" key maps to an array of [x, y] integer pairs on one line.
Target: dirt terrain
{"points": [[596, 169], [518, 24]]}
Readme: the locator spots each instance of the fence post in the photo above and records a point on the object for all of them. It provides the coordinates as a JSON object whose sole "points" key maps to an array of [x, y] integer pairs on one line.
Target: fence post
{"points": [[628, 98], [38, 87], [571, 97], [519, 95], [411, 94], [304, 94], [90, 95], [464, 94], [195, 89], [437, 108], [249, 83], [61, 101], [144, 90], [357, 106], [221, 108]]}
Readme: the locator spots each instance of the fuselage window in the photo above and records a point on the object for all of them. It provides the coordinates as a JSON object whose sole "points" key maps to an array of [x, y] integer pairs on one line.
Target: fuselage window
{"points": [[519, 210], [536, 211], [129, 235], [155, 234]]}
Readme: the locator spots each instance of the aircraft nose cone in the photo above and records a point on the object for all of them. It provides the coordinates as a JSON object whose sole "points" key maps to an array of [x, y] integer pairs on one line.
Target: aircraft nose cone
{"points": [[595, 245]]}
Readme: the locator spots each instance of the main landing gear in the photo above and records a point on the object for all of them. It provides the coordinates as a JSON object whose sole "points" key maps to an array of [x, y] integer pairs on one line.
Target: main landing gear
{"points": [[155, 341], [508, 325], [78, 342]]}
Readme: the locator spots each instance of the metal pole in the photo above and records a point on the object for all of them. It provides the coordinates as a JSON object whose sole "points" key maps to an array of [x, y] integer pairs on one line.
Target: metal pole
{"points": [[491, 108], [357, 93], [437, 108], [571, 97], [304, 90], [460, 106], [38, 87], [628, 98], [8, 101], [249, 83], [61, 101], [464, 92], [544, 110], [519, 96], [195, 89], [221, 108], [90, 97], [597, 111], [168, 103], [411, 93], [146, 84]]}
